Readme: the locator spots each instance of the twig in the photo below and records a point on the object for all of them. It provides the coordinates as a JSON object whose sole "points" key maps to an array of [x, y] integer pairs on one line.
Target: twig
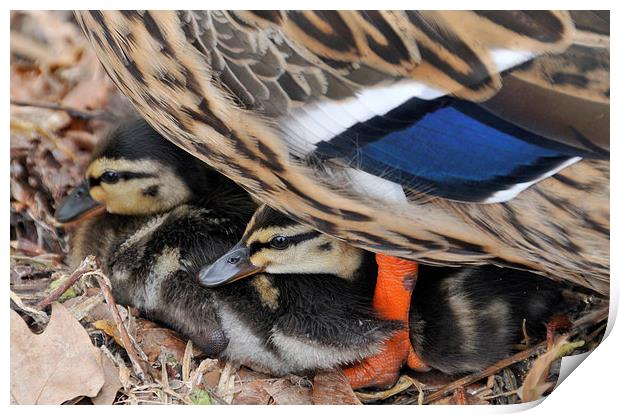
{"points": [[36, 260], [593, 317], [139, 365], [595, 333], [164, 374], [487, 372], [226, 384], [37, 315], [404, 382], [526, 338], [29, 129], [87, 265], [187, 360], [73, 112]]}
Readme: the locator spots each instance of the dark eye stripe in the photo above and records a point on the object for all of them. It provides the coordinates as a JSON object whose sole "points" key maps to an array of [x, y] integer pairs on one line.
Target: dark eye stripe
{"points": [[303, 237], [123, 175], [294, 240]]}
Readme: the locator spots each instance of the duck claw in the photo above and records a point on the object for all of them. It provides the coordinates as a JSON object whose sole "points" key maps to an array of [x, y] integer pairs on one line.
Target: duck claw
{"points": [[395, 282], [382, 370]]}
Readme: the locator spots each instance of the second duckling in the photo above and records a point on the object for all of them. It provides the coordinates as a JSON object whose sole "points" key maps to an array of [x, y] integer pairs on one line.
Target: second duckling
{"points": [[462, 319]]}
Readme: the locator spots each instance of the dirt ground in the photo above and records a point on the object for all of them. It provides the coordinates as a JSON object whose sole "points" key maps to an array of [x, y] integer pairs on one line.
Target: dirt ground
{"points": [[61, 103]]}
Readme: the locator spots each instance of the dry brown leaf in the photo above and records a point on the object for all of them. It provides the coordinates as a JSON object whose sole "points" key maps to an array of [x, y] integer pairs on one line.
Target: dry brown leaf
{"points": [[250, 386], [154, 339], [252, 393], [284, 392], [535, 384], [151, 338], [333, 388], [55, 366], [112, 383]]}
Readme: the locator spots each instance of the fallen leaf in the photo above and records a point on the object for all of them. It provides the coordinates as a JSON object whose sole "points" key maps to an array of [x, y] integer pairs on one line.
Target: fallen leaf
{"points": [[150, 337], [226, 385], [111, 385], [333, 388], [55, 366], [212, 378], [251, 388], [252, 393], [154, 339], [535, 383], [284, 392]]}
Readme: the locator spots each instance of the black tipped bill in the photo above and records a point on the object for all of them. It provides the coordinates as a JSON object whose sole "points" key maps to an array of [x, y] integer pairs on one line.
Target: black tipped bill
{"points": [[232, 266], [77, 204]]}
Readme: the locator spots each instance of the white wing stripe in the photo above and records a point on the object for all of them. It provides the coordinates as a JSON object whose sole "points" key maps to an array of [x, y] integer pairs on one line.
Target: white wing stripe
{"points": [[505, 195]]}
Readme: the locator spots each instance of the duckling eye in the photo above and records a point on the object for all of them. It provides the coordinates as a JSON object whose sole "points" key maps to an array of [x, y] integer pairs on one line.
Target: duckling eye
{"points": [[279, 242], [110, 177]]}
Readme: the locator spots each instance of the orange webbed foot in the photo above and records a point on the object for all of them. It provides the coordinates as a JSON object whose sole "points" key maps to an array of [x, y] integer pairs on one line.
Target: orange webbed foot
{"points": [[395, 282]]}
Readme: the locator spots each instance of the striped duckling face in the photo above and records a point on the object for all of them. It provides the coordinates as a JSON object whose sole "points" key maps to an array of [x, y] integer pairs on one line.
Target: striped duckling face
{"points": [[135, 187], [134, 171], [275, 244]]}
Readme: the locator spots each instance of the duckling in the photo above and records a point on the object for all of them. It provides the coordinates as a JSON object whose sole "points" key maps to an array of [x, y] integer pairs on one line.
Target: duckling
{"points": [[162, 215], [462, 319], [279, 325]]}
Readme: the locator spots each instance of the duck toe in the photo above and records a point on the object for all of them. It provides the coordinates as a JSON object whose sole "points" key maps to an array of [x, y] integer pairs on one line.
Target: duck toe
{"points": [[395, 282]]}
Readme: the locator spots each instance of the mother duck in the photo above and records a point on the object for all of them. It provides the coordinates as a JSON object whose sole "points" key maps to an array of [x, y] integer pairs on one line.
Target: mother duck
{"points": [[444, 137]]}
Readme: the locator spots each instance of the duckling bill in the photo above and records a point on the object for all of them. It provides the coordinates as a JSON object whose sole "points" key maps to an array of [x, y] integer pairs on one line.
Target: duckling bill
{"points": [[77, 205], [232, 266]]}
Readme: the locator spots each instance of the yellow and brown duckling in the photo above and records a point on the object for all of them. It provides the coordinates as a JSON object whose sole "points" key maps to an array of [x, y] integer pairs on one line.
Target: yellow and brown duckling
{"points": [[278, 323], [164, 215], [462, 319]]}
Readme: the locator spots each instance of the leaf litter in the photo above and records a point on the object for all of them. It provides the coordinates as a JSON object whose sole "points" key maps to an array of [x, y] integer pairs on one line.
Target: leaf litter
{"points": [[43, 366], [60, 98]]}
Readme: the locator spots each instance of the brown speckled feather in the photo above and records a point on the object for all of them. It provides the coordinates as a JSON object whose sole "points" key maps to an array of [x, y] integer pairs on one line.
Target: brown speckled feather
{"points": [[217, 83]]}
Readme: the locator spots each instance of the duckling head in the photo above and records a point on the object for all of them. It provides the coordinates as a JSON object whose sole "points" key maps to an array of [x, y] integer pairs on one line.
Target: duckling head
{"points": [[275, 244], [136, 171]]}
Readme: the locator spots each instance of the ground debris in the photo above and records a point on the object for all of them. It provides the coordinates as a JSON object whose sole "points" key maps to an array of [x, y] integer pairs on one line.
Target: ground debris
{"points": [[51, 63], [44, 367], [536, 382]]}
